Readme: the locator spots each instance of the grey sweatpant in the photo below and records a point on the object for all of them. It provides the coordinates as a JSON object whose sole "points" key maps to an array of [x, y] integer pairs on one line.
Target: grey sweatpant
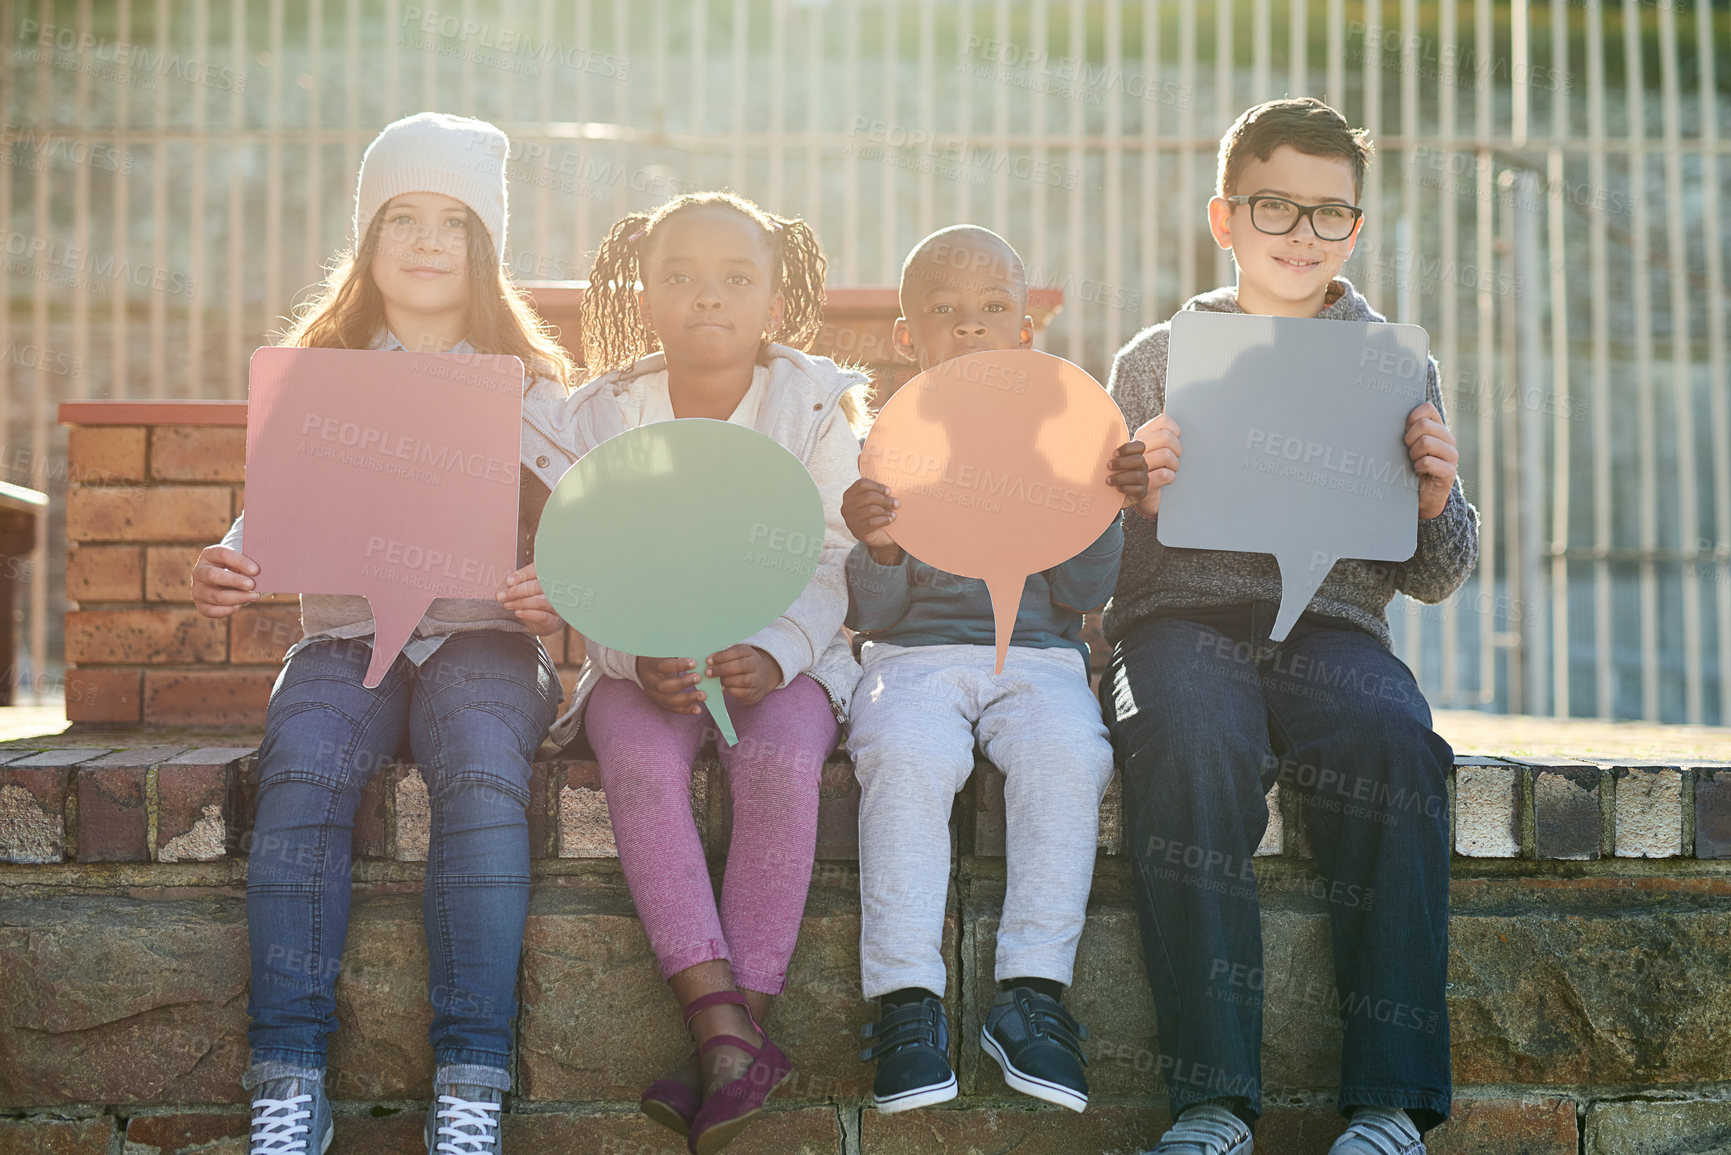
{"points": [[916, 717]]}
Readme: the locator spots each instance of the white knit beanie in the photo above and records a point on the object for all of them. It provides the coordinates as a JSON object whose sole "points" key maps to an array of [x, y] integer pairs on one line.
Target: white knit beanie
{"points": [[440, 153]]}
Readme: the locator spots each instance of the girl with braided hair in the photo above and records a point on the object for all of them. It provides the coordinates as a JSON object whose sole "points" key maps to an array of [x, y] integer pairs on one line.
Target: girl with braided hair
{"points": [[700, 309]]}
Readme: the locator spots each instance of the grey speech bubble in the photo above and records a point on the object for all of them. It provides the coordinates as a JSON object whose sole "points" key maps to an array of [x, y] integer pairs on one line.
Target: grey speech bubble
{"points": [[1294, 442]]}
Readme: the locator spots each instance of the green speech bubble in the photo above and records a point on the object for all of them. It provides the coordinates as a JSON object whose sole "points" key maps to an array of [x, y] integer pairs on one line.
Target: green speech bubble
{"points": [[679, 539]]}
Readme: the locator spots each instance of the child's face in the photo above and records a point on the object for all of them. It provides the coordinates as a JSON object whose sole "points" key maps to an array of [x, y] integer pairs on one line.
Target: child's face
{"points": [[708, 288], [421, 264], [966, 296], [1285, 274]]}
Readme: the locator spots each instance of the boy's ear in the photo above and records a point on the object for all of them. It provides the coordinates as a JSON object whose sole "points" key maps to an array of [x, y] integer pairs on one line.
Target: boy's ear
{"points": [[1220, 221], [903, 339], [1027, 333]]}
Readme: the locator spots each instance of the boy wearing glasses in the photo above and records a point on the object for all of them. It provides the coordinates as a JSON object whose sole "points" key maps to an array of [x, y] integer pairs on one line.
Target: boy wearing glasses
{"points": [[1206, 715]]}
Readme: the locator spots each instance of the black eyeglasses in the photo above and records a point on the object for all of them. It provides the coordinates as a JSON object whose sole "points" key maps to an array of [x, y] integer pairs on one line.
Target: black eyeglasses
{"points": [[1278, 216]]}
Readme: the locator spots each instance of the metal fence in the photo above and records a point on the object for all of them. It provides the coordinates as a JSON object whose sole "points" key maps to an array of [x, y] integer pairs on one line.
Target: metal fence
{"points": [[1545, 200]]}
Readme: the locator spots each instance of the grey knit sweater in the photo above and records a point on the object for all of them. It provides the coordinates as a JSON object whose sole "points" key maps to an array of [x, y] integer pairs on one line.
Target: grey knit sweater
{"points": [[1155, 579]]}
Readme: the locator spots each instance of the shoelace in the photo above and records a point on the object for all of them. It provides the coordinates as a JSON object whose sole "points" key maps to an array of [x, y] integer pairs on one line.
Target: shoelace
{"points": [[470, 1130], [1203, 1132], [279, 1129]]}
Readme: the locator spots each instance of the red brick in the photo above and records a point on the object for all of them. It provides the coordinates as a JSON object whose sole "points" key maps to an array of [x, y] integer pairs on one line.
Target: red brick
{"points": [[261, 635], [206, 697], [185, 1134], [33, 813], [1535, 1126], [112, 811], [801, 1131], [389, 1135], [103, 695], [189, 513], [237, 501], [150, 636], [1000, 1130], [198, 453], [193, 823], [99, 453], [105, 573], [56, 1136], [168, 572]]}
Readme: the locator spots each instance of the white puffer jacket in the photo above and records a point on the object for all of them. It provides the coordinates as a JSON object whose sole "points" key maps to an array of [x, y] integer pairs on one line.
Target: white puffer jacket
{"points": [[802, 411]]}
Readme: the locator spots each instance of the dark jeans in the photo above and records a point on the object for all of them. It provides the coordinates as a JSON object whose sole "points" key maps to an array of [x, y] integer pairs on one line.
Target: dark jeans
{"points": [[1205, 718], [472, 716]]}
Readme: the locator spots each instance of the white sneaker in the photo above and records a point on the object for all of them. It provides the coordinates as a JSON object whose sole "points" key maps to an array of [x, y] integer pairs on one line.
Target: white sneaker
{"points": [[290, 1116], [464, 1120], [1379, 1131]]}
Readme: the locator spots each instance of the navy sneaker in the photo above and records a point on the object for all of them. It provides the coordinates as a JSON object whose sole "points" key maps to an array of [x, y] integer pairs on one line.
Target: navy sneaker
{"points": [[1038, 1045], [290, 1114], [911, 1043]]}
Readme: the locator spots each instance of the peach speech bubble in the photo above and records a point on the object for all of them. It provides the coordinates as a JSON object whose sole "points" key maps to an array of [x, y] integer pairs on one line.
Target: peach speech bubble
{"points": [[999, 460], [387, 474]]}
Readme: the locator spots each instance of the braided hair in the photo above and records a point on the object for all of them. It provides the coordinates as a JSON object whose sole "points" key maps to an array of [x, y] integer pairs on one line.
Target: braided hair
{"points": [[614, 334]]}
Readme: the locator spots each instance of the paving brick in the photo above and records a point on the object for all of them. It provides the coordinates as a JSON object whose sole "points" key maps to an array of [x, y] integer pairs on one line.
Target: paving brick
{"points": [[105, 573], [34, 791], [168, 572], [101, 453], [261, 635], [187, 1134], [100, 694], [1106, 1130], [585, 829], [587, 938], [372, 830], [1649, 811], [207, 697], [1567, 822], [838, 811], [42, 1136], [411, 831], [198, 453], [795, 1131], [113, 814], [1693, 1127], [1487, 811], [1712, 812], [543, 822], [192, 790], [186, 513], [1530, 1126], [156, 636]]}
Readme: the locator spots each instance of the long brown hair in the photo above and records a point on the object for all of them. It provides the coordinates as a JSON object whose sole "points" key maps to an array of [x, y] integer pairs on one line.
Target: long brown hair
{"points": [[348, 310]]}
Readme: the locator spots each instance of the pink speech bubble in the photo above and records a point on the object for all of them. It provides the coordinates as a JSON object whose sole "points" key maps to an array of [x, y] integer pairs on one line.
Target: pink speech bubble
{"points": [[999, 460], [391, 475]]}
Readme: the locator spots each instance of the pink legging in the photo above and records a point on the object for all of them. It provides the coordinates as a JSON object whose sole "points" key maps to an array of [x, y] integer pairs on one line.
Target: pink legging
{"points": [[645, 755]]}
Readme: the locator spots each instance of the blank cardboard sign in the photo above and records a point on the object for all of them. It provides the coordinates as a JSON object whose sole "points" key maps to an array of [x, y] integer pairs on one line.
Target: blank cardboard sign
{"points": [[680, 539], [999, 461], [1294, 442], [388, 474]]}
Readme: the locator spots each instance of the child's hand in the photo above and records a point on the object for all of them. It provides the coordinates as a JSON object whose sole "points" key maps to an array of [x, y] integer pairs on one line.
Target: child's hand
{"points": [[1161, 452], [523, 596], [671, 684], [1129, 472], [746, 672], [1432, 449], [222, 581], [868, 509]]}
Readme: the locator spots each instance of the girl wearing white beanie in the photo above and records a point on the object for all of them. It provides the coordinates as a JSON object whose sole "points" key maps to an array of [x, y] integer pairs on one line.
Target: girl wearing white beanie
{"points": [[469, 699]]}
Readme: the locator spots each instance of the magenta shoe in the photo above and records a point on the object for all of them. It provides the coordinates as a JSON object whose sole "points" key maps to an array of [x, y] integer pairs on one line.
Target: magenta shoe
{"points": [[671, 1104], [725, 1113]]}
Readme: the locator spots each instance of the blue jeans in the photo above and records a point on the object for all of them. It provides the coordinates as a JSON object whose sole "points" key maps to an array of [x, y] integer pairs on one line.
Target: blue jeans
{"points": [[472, 717], [1205, 717]]}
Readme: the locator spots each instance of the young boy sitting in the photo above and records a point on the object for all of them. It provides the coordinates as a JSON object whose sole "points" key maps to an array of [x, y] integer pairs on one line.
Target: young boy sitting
{"points": [[1206, 715], [928, 696]]}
